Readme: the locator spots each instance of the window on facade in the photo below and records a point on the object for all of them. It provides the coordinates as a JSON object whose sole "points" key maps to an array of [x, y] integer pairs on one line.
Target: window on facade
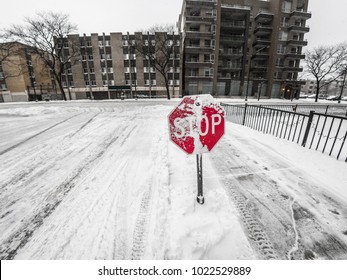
{"points": [[193, 72], [283, 36], [89, 43], [286, 6]]}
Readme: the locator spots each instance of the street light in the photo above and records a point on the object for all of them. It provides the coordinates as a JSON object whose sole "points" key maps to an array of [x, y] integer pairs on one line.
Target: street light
{"points": [[249, 71]]}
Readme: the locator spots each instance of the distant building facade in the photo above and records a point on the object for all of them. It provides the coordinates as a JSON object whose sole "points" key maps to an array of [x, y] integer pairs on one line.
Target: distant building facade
{"points": [[332, 89], [21, 73], [110, 67], [241, 47]]}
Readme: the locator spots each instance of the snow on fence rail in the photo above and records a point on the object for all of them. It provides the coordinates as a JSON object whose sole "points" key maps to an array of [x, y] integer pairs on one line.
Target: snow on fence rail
{"points": [[319, 131], [335, 109]]}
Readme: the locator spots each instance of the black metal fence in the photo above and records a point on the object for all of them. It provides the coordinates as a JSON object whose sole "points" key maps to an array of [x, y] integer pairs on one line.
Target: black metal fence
{"points": [[334, 109], [323, 132]]}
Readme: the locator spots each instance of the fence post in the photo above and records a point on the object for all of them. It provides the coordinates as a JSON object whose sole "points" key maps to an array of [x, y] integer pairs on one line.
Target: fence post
{"points": [[326, 110], [244, 114], [308, 127]]}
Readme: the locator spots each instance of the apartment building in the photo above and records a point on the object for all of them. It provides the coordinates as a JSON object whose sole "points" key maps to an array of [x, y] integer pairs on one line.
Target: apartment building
{"points": [[110, 67], [21, 73], [242, 48], [332, 89]]}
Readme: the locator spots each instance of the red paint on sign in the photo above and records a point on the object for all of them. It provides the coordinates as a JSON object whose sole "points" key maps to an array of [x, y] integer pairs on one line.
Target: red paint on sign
{"points": [[196, 124]]}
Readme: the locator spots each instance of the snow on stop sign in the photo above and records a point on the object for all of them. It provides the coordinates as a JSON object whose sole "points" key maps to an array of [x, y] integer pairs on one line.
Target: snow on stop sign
{"points": [[197, 124]]}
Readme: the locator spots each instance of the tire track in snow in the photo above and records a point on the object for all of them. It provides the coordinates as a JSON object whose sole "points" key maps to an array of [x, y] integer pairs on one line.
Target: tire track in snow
{"points": [[35, 135], [17, 240], [270, 183], [256, 232], [37, 164], [97, 205], [141, 231], [84, 125]]}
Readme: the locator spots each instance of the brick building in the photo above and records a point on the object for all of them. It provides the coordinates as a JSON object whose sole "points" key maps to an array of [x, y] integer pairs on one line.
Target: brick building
{"points": [[109, 66], [242, 47], [23, 76]]}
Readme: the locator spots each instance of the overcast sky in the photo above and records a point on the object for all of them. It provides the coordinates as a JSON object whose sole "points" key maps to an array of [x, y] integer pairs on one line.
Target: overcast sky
{"points": [[328, 23]]}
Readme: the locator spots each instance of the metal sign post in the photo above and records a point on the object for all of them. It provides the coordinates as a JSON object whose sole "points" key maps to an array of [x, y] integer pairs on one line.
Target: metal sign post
{"points": [[200, 197]]}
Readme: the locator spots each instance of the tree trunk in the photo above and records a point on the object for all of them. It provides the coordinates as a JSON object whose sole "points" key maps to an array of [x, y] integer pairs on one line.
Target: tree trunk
{"points": [[60, 87], [317, 91]]}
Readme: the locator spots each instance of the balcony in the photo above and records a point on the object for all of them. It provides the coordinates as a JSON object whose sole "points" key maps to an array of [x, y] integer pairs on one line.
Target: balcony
{"points": [[292, 69], [264, 17], [260, 56], [194, 49], [260, 42], [296, 42], [300, 14], [196, 64], [299, 29], [229, 25], [295, 55], [232, 40], [200, 19], [199, 3], [198, 35], [263, 30], [227, 54], [232, 67]]}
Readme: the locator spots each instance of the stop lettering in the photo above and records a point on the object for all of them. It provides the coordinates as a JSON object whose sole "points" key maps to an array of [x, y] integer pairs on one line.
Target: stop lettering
{"points": [[196, 124]]}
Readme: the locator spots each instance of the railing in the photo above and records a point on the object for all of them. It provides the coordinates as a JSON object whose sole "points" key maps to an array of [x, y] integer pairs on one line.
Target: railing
{"points": [[338, 110], [319, 131]]}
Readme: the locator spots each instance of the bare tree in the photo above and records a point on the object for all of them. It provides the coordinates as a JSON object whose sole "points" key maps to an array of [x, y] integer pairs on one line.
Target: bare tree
{"points": [[46, 34], [324, 63], [158, 51]]}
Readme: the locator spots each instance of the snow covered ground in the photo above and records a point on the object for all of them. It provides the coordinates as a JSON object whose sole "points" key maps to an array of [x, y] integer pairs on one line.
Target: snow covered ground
{"points": [[101, 180]]}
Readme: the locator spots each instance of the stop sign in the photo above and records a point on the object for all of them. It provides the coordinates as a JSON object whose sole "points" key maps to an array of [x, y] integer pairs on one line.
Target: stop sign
{"points": [[196, 124]]}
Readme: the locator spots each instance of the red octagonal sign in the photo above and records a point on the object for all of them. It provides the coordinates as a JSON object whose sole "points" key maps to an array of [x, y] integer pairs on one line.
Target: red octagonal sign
{"points": [[196, 124]]}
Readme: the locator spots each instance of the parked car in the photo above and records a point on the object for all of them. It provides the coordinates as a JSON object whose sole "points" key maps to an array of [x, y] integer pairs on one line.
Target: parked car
{"points": [[312, 96], [323, 96], [303, 95], [333, 98], [344, 98]]}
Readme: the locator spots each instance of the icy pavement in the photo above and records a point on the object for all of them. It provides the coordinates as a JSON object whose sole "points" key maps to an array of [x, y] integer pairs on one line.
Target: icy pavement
{"points": [[100, 180]]}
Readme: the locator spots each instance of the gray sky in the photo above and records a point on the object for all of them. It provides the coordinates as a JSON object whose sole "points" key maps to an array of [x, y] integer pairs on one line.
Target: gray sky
{"points": [[328, 23]]}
